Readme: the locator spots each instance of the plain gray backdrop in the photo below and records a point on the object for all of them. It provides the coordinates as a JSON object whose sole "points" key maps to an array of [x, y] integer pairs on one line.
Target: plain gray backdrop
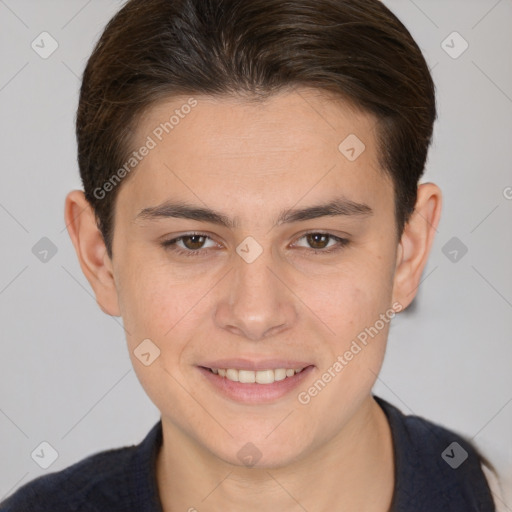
{"points": [[65, 375]]}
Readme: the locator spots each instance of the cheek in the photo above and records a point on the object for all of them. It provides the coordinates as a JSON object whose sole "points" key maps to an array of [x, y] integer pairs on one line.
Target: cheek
{"points": [[357, 295], [360, 316], [158, 308], [153, 302]]}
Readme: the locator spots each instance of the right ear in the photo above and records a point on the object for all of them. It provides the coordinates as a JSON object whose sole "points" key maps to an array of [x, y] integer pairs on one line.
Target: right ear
{"points": [[91, 251]]}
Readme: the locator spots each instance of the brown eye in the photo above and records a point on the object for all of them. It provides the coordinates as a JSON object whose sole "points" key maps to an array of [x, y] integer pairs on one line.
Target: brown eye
{"points": [[322, 243], [318, 240], [193, 242]]}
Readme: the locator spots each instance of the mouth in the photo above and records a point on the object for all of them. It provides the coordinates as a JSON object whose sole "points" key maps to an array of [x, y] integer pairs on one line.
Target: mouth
{"points": [[264, 384]]}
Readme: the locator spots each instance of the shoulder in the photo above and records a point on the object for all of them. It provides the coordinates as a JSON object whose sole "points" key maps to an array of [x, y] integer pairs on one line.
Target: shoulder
{"points": [[118, 479], [436, 466], [99, 475], [495, 485]]}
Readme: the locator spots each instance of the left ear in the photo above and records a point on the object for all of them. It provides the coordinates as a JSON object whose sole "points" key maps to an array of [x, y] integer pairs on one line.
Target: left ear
{"points": [[416, 242]]}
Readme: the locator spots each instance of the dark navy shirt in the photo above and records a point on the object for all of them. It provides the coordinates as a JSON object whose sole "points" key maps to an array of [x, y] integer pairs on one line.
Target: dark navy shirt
{"points": [[436, 470]]}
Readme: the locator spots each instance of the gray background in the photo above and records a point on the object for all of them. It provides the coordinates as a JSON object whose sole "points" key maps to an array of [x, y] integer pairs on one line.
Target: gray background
{"points": [[65, 374]]}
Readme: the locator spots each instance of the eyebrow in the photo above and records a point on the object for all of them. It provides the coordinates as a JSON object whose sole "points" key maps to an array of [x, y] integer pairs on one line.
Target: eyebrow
{"points": [[337, 207]]}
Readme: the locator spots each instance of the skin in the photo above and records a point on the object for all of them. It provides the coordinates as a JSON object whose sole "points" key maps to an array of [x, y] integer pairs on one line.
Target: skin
{"points": [[250, 162]]}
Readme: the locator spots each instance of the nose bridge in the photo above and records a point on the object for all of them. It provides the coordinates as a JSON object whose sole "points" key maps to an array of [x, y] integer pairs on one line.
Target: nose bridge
{"points": [[256, 303], [254, 282]]}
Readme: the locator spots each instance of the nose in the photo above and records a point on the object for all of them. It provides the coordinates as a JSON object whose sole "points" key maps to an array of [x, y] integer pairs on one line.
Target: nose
{"points": [[255, 302]]}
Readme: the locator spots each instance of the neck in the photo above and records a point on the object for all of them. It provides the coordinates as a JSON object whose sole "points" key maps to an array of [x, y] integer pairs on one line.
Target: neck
{"points": [[353, 471]]}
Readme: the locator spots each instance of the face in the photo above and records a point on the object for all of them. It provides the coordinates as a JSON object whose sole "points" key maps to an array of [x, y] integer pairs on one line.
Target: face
{"points": [[248, 239]]}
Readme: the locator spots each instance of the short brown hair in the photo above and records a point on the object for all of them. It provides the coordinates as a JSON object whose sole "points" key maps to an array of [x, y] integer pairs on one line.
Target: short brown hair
{"points": [[156, 49]]}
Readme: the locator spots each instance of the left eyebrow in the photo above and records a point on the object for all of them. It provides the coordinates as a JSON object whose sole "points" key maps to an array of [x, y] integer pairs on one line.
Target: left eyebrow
{"points": [[336, 207], [340, 206]]}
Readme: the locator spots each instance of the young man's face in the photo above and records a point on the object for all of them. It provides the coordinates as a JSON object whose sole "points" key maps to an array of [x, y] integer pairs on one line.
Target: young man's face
{"points": [[252, 292]]}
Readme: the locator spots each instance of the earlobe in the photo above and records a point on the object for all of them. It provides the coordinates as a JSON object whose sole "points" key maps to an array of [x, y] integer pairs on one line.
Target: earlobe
{"points": [[91, 251], [416, 242]]}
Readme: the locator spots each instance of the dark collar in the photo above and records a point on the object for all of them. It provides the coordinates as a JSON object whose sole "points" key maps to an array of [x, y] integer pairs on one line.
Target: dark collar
{"points": [[424, 481]]}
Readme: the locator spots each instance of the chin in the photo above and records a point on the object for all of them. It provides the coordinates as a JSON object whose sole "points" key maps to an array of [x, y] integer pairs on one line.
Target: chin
{"points": [[259, 455]]}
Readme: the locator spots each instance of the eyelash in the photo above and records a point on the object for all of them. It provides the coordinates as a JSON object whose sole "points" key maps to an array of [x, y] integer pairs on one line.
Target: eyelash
{"points": [[170, 245]]}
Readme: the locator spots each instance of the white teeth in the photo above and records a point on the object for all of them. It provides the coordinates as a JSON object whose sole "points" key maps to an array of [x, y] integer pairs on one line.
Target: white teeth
{"points": [[280, 374], [232, 375], [265, 377], [246, 376], [260, 376]]}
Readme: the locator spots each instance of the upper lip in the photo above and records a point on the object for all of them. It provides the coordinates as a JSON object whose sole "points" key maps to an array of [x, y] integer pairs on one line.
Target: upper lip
{"points": [[247, 364]]}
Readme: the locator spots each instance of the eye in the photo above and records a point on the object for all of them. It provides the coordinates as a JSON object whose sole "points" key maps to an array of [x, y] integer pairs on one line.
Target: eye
{"points": [[321, 242], [191, 244]]}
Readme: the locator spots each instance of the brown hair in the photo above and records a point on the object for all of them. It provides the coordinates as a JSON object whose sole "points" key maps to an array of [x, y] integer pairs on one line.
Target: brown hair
{"points": [[156, 49]]}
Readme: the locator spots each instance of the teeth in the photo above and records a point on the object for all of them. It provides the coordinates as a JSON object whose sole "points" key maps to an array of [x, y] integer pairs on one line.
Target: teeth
{"points": [[232, 375], [260, 376], [245, 376], [265, 377], [280, 374]]}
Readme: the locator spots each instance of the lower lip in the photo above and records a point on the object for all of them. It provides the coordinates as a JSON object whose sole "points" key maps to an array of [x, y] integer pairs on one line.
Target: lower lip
{"points": [[255, 393]]}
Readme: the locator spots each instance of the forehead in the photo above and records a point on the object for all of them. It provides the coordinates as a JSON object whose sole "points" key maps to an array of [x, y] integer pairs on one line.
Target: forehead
{"points": [[223, 125], [292, 142]]}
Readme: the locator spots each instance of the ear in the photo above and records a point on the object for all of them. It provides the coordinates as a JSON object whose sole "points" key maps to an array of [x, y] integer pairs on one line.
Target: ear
{"points": [[416, 242], [91, 251]]}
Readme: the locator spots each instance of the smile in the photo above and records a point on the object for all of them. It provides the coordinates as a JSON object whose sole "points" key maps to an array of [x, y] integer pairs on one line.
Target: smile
{"points": [[260, 377], [260, 385]]}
